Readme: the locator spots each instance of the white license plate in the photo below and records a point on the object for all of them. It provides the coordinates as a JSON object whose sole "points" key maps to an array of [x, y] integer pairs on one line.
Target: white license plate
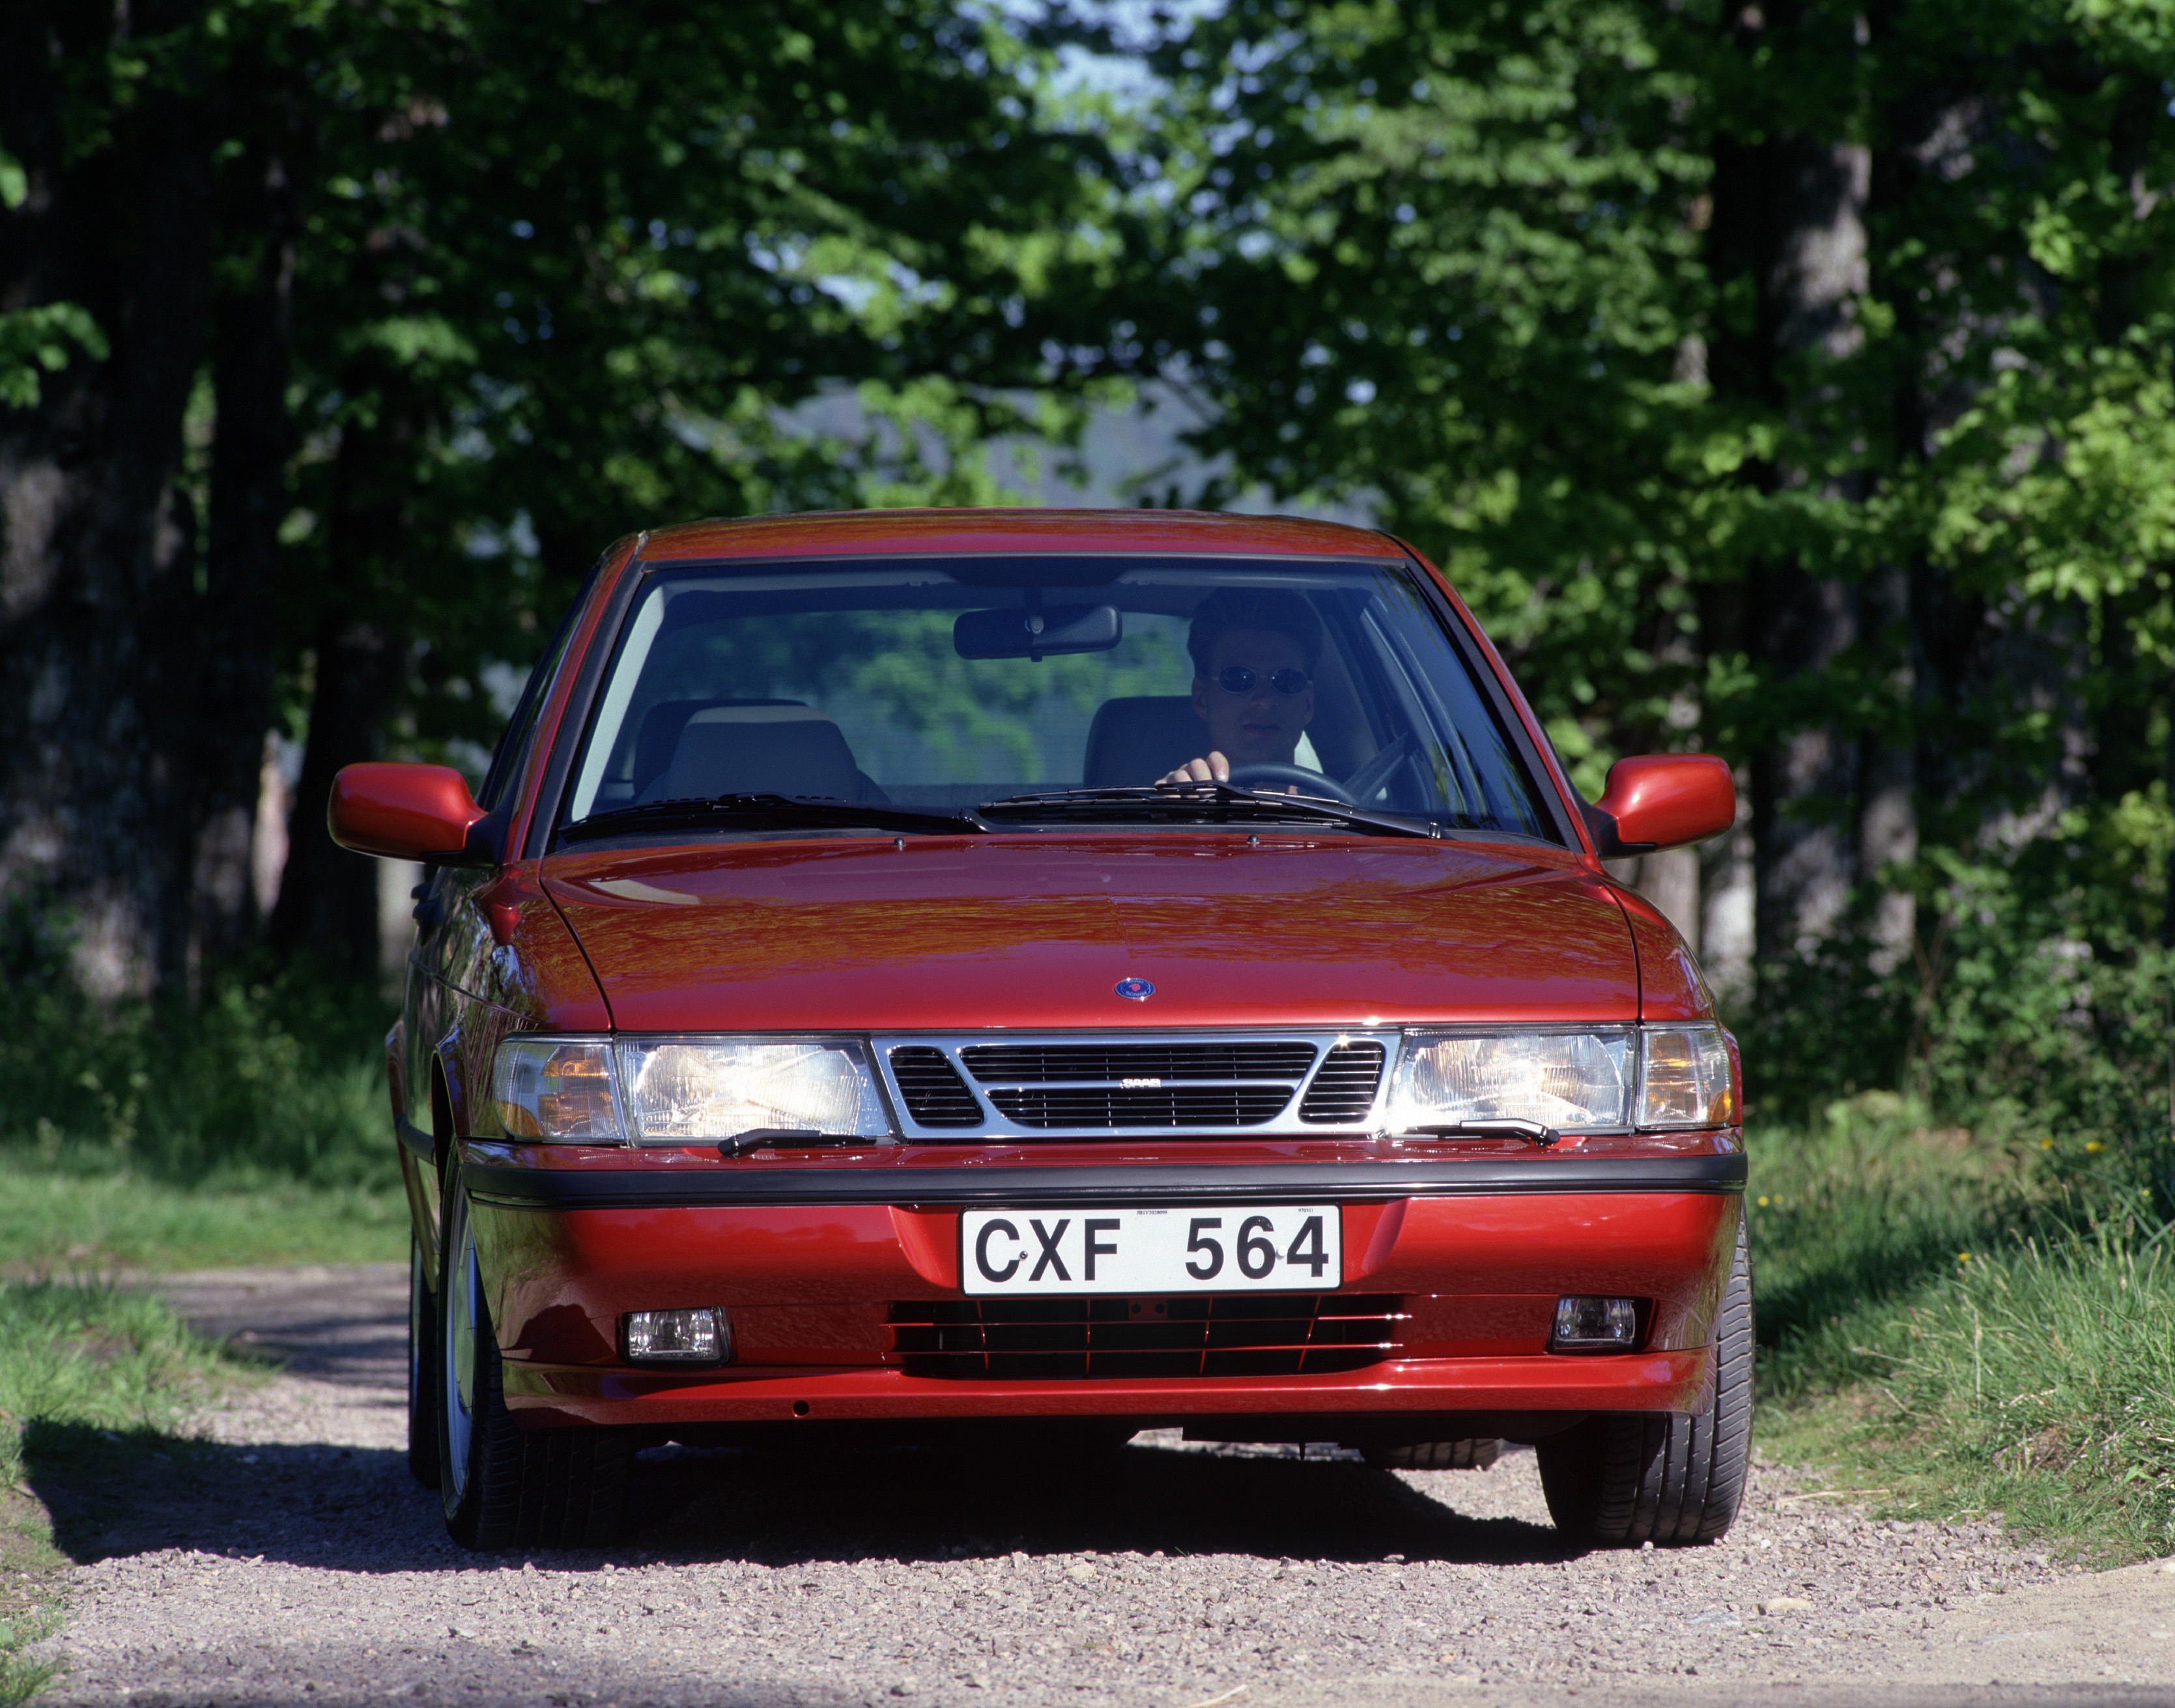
{"points": [[1284, 1250]]}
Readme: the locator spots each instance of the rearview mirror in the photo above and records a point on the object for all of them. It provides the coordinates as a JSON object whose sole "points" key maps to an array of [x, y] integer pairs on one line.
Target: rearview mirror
{"points": [[1661, 801], [1036, 634], [407, 812]]}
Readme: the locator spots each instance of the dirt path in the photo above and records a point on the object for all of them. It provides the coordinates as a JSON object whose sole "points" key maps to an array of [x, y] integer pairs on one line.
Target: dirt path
{"points": [[289, 1558]]}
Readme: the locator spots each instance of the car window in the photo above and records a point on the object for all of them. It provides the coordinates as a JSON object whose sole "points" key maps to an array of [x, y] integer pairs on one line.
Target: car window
{"points": [[513, 745], [942, 683]]}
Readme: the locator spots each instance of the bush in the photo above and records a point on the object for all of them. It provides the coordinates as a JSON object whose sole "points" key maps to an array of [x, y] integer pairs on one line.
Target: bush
{"points": [[2036, 1008], [269, 1077]]}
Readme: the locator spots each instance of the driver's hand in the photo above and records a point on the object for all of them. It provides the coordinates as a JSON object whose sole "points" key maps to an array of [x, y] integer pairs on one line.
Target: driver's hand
{"points": [[1215, 768]]}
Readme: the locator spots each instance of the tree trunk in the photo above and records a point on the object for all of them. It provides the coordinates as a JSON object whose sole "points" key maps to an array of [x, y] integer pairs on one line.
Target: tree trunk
{"points": [[1887, 771], [97, 652], [251, 326], [1789, 226], [327, 896]]}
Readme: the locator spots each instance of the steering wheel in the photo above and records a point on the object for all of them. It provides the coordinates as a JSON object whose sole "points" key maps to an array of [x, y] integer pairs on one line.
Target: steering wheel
{"points": [[1269, 774]]}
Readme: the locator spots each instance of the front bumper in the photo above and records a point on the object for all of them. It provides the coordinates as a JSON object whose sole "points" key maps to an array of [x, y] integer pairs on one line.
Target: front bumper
{"points": [[809, 1262]]}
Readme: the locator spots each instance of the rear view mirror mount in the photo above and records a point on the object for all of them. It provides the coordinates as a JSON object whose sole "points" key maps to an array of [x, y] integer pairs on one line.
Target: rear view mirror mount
{"points": [[1037, 634]]}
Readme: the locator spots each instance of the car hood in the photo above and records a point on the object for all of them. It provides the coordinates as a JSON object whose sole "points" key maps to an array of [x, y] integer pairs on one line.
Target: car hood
{"points": [[945, 934]]}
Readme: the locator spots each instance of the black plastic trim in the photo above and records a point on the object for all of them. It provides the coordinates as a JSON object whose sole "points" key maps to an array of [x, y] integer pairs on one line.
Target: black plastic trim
{"points": [[1264, 1183], [416, 1140], [1602, 828]]}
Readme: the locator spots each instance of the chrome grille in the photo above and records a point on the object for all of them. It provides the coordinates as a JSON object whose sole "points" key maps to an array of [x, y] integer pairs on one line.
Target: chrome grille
{"points": [[1344, 1090], [1021, 1064], [1176, 1106], [1049, 1085], [1186, 1335]]}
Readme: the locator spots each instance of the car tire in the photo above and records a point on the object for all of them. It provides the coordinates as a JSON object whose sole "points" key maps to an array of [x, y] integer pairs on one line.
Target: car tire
{"points": [[1436, 1455], [1617, 1482], [422, 1371], [503, 1486]]}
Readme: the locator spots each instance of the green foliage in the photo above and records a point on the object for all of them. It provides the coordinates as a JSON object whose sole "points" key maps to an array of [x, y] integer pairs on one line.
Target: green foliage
{"points": [[571, 270], [1959, 1323], [94, 1356], [21, 1678], [2048, 1372], [2035, 1378], [1448, 254], [1861, 1207], [2038, 1007], [35, 340], [267, 1079]]}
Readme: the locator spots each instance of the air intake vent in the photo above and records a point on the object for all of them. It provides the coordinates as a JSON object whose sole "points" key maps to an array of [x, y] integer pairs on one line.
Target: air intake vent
{"points": [[1184, 1336], [1344, 1090], [1175, 1106], [1040, 1063], [935, 1094]]}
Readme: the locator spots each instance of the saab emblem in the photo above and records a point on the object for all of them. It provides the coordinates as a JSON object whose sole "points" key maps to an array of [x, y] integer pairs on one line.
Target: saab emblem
{"points": [[1134, 990]]}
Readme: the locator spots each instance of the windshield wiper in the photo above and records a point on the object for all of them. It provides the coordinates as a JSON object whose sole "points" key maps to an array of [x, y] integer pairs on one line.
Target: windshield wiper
{"points": [[1193, 800], [767, 812]]}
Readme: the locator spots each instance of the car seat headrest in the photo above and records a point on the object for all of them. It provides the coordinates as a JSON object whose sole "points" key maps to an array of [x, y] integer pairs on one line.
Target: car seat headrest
{"points": [[758, 750], [1140, 737]]}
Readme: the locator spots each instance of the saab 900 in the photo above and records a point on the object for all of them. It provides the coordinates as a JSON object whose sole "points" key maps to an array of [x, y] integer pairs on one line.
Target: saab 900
{"points": [[1037, 976]]}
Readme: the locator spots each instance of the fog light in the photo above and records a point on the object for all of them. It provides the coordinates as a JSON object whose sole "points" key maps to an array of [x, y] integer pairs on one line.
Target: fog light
{"points": [[1585, 1325], [698, 1335]]}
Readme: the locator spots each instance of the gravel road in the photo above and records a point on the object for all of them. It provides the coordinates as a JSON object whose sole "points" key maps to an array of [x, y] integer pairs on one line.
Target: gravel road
{"points": [[289, 1558]]}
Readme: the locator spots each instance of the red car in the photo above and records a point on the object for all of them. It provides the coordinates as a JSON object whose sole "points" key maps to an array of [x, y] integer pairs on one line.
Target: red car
{"points": [[1042, 975]]}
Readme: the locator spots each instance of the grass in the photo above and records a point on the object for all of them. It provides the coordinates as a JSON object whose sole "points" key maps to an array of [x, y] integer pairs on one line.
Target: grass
{"points": [[63, 1218], [248, 1127], [1965, 1324], [80, 1363]]}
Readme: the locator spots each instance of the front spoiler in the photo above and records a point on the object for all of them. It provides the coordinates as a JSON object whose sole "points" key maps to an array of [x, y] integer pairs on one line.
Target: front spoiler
{"points": [[1364, 1182], [547, 1396]]}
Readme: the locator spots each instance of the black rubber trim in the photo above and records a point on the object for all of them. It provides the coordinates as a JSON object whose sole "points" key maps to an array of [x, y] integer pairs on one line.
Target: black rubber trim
{"points": [[1246, 1182], [420, 1142]]}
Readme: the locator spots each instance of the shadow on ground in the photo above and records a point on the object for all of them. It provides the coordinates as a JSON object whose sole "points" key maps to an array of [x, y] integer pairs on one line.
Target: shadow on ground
{"points": [[358, 1509]]}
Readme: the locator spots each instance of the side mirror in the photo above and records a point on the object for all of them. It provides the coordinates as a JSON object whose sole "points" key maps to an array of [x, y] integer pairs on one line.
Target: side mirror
{"points": [[1661, 801], [408, 812]]}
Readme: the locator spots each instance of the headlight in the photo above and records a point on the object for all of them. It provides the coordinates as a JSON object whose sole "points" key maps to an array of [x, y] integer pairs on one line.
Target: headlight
{"points": [[1564, 1079], [555, 1088], [684, 1092], [1684, 1078], [676, 1091], [1653, 1076]]}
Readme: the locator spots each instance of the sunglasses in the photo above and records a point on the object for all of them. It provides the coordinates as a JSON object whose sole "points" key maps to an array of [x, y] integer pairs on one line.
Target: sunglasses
{"points": [[1237, 679]]}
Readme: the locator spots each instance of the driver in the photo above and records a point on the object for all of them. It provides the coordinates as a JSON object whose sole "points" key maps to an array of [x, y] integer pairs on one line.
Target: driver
{"points": [[1254, 655]]}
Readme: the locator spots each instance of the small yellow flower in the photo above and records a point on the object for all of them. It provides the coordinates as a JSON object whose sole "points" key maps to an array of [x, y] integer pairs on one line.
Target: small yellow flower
{"points": [[2093, 1147], [1963, 1257], [2046, 1144], [1763, 1203]]}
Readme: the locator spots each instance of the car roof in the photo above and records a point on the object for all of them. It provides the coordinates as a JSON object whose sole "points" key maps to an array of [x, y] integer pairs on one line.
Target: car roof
{"points": [[833, 533]]}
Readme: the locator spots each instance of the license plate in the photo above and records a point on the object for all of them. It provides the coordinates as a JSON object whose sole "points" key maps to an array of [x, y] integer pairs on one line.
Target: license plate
{"points": [[1284, 1250]]}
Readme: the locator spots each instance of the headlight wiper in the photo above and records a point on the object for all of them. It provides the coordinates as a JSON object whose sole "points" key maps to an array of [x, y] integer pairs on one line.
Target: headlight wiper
{"points": [[1488, 1127], [793, 1138], [1219, 802], [768, 812]]}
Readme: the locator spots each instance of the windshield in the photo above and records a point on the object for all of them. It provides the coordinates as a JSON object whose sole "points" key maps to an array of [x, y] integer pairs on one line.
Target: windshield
{"points": [[950, 684]]}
